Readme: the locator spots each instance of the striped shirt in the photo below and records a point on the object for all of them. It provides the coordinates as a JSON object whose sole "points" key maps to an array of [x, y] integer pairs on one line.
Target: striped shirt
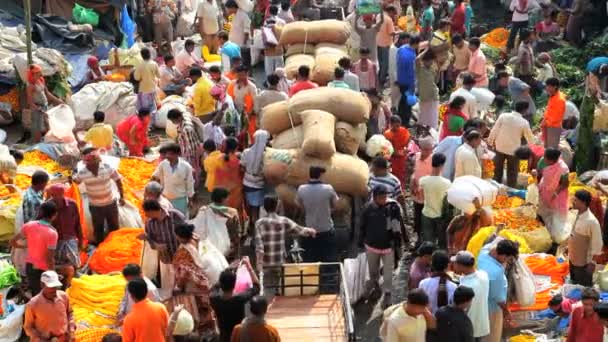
{"points": [[162, 231], [389, 181], [99, 187], [270, 237]]}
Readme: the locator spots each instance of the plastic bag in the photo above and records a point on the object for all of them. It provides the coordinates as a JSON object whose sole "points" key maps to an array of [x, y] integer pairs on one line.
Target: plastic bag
{"points": [[184, 323], [465, 189], [484, 98], [378, 145], [61, 125], [10, 326], [525, 287], [212, 227], [243, 280], [149, 261], [368, 7], [129, 217], [214, 262], [83, 15], [127, 27], [356, 273]]}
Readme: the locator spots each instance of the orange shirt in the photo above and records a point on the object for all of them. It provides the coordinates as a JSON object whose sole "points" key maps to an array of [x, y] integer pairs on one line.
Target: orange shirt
{"points": [[556, 107], [48, 317], [257, 333], [147, 322], [399, 139]]}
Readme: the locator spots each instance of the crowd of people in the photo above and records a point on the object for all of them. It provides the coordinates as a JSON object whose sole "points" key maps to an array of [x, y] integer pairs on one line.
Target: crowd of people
{"points": [[422, 82]]}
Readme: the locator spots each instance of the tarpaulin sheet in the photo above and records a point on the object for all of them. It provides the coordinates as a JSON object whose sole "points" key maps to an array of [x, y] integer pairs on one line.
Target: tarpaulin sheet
{"points": [[79, 69], [52, 32]]}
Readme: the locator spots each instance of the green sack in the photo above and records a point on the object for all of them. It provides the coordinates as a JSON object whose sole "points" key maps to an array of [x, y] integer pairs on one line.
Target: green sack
{"points": [[368, 7], [83, 15]]}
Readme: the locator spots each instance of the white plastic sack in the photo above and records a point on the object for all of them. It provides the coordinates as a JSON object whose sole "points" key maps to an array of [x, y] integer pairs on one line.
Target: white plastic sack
{"points": [[171, 130], [184, 323], [169, 103], [129, 217], [10, 326], [117, 100], [484, 98], [214, 262], [212, 227], [378, 145], [50, 60], [525, 287], [258, 40], [61, 125], [149, 261], [245, 5], [357, 274], [184, 24], [465, 189]]}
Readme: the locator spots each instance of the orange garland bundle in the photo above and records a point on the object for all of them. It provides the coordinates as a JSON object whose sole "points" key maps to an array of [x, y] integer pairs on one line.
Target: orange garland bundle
{"points": [[517, 222], [497, 38], [506, 202], [121, 247], [549, 266]]}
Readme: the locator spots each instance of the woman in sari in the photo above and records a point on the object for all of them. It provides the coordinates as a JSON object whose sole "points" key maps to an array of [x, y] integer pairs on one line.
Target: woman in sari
{"points": [[399, 137], [553, 191], [228, 174], [192, 287], [454, 119], [133, 131]]}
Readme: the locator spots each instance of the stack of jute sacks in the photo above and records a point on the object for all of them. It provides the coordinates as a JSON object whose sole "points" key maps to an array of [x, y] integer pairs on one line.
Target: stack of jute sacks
{"points": [[317, 127], [317, 44]]}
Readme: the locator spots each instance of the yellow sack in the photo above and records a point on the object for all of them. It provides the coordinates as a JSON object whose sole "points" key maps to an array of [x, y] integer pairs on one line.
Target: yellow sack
{"points": [[476, 242], [522, 338], [539, 239]]}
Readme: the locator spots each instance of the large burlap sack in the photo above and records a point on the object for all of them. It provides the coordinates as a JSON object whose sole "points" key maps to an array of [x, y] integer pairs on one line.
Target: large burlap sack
{"points": [[348, 137], [325, 66], [291, 138], [298, 49], [276, 119], [347, 105], [539, 240], [329, 48], [600, 117], [294, 62], [287, 195], [313, 32], [318, 130]]}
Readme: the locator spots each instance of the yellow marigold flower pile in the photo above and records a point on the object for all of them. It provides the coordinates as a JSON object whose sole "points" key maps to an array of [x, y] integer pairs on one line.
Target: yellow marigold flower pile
{"points": [[487, 168], [506, 202], [516, 222], [96, 298], [92, 335], [37, 158], [523, 166], [497, 38], [135, 175]]}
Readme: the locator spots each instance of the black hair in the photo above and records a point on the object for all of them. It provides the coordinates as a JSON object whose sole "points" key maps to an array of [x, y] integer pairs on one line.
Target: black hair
{"points": [[345, 63], [440, 261], [168, 58], [218, 195], [476, 42], [601, 309], [500, 67], [521, 106], [242, 68], [468, 79], [463, 294], [456, 38], [174, 114], [47, 210], [414, 39], [209, 145], [395, 119], [507, 247], [111, 337], [475, 123], [189, 42], [231, 4], [590, 293], [215, 69], [338, 73], [457, 102], [227, 280], [145, 53], [230, 145], [583, 196], [131, 270], [429, 55], [138, 289], [143, 112], [438, 160], [223, 35], [556, 300], [40, 177], [425, 248], [380, 162], [523, 152], [273, 10], [151, 205], [184, 230], [99, 116], [195, 72], [552, 154], [524, 34], [17, 154], [499, 101], [273, 79], [315, 172], [285, 5], [364, 51], [271, 203], [502, 74], [304, 71], [472, 135], [88, 150], [235, 59], [258, 305], [418, 297], [554, 82], [173, 147]]}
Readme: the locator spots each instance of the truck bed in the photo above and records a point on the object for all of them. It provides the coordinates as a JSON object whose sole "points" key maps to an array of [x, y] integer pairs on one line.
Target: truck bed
{"points": [[308, 318]]}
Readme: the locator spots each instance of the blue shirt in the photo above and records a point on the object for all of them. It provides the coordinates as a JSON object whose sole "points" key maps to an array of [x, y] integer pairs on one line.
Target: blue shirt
{"points": [[406, 67], [231, 50], [448, 147], [497, 278], [595, 64]]}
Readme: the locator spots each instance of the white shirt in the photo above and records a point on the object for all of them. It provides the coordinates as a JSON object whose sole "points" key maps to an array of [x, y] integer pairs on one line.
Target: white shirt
{"points": [[177, 181], [401, 327], [507, 132], [215, 133], [434, 189], [478, 312], [571, 110], [392, 63], [587, 225], [519, 17], [470, 106], [167, 75], [185, 60], [241, 24], [208, 12], [467, 162], [431, 287]]}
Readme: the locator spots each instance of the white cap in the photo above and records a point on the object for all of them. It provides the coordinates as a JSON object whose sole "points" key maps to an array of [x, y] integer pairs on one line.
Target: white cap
{"points": [[50, 279]]}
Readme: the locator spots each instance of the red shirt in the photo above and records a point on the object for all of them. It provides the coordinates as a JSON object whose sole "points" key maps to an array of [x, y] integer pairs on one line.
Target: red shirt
{"points": [[41, 239], [301, 85], [458, 19], [588, 329]]}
